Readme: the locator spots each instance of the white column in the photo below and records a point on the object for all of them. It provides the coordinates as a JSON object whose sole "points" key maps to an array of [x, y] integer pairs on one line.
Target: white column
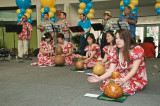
{"points": [[67, 10], [38, 9]]}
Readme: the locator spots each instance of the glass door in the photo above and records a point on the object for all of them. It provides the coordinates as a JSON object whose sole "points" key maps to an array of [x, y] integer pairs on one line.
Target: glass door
{"points": [[153, 31], [140, 33]]}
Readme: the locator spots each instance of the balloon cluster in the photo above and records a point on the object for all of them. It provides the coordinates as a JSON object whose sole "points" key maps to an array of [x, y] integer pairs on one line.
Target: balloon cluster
{"points": [[48, 6], [86, 7], [157, 7], [24, 6], [132, 3]]}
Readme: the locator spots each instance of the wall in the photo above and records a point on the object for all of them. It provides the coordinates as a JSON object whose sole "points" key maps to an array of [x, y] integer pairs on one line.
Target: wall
{"points": [[67, 6], [11, 15], [9, 39]]}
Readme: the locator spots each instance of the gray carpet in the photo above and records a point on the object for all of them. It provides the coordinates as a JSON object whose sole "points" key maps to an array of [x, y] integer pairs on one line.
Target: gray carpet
{"points": [[25, 85]]}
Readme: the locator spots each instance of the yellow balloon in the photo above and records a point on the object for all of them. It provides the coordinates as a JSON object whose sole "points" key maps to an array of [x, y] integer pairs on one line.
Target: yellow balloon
{"points": [[80, 11], [134, 2], [91, 10], [123, 13], [42, 10], [28, 15], [90, 16], [157, 5], [121, 3], [82, 5], [51, 14], [48, 3], [132, 6], [53, 10], [158, 1], [29, 11], [18, 11]]}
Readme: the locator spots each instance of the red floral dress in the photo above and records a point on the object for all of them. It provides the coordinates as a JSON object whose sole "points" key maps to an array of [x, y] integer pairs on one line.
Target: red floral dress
{"points": [[26, 28], [109, 53], [139, 80], [68, 59], [91, 63], [45, 59]]}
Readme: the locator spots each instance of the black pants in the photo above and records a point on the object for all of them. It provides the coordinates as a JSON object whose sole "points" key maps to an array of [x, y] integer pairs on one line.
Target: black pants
{"points": [[83, 44]]}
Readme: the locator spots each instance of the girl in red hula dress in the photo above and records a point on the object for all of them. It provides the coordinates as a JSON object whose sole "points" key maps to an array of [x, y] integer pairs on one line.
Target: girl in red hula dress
{"points": [[67, 49], [46, 51], [92, 52], [108, 50], [129, 61]]}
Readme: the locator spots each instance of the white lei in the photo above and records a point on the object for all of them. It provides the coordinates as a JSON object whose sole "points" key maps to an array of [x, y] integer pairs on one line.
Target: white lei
{"points": [[121, 61]]}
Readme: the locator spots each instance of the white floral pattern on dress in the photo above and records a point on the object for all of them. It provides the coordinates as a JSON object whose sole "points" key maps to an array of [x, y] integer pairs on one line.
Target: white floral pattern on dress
{"points": [[68, 59], [26, 28], [109, 53], [91, 63], [139, 80], [45, 59]]}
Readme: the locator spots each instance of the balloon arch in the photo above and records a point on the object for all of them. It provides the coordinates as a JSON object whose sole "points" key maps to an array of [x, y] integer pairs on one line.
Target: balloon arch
{"points": [[85, 7], [24, 6]]}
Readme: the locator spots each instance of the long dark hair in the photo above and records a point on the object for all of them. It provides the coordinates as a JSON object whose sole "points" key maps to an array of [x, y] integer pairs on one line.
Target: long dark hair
{"points": [[91, 36], [112, 34], [129, 43]]}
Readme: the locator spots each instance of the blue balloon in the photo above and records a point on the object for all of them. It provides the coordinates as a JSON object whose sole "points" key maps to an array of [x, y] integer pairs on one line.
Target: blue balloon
{"points": [[134, 12], [42, 14], [29, 20], [90, 5], [23, 3], [136, 8], [46, 9], [158, 11], [122, 8], [54, 15], [20, 15], [81, 0], [29, 4], [42, 19], [18, 20], [126, 2], [86, 10], [53, 19], [23, 10], [87, 1], [121, 13]]}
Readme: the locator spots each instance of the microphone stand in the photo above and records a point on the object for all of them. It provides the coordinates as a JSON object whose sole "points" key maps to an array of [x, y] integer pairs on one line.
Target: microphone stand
{"points": [[3, 43], [101, 33]]}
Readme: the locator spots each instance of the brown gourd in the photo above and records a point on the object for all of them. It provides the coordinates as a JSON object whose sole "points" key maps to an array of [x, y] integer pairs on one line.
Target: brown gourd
{"points": [[59, 60], [98, 69], [79, 65], [113, 90], [59, 50]]}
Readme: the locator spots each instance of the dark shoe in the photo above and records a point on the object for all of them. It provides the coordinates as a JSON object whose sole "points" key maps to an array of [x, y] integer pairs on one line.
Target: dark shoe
{"points": [[20, 57], [25, 56]]}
